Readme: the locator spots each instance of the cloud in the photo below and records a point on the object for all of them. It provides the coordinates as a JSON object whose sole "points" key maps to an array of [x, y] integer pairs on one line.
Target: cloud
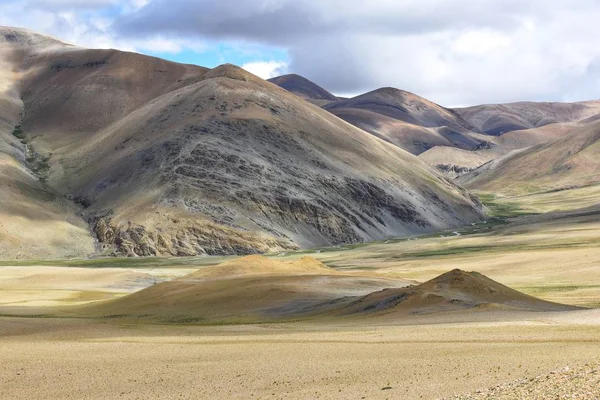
{"points": [[453, 52], [457, 52], [89, 23], [266, 69], [70, 4]]}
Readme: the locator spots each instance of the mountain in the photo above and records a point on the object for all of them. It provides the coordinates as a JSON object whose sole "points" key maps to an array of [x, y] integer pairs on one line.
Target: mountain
{"points": [[401, 118], [406, 120], [423, 127], [497, 119], [161, 158], [455, 162], [404, 106], [521, 139], [568, 162], [304, 88]]}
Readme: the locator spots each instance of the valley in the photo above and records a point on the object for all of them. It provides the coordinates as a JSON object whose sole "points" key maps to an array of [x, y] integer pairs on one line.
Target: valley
{"points": [[174, 231], [434, 354]]}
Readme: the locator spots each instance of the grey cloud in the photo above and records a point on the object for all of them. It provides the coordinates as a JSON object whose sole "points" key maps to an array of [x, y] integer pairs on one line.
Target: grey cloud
{"points": [[54, 5], [273, 22], [280, 21], [453, 52]]}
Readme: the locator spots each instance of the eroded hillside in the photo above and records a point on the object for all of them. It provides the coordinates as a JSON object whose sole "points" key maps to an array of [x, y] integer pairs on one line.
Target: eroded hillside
{"points": [[35, 220], [168, 159]]}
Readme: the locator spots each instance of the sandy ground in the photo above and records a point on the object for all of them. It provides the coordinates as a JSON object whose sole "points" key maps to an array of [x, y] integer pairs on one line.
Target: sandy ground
{"points": [[25, 289], [428, 357], [50, 358]]}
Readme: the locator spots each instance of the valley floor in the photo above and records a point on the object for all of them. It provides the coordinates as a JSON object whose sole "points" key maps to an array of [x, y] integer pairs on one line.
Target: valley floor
{"points": [[553, 256], [61, 358]]}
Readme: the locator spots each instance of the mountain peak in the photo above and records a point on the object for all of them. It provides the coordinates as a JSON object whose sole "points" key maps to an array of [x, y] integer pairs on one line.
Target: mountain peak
{"points": [[460, 280], [21, 36], [302, 87], [451, 291], [232, 72]]}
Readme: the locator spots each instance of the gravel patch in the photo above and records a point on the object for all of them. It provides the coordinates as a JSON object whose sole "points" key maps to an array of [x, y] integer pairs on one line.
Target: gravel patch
{"points": [[582, 383]]}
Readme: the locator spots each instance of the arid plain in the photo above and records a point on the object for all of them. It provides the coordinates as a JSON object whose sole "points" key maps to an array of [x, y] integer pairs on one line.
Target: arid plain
{"points": [[175, 231], [433, 355]]}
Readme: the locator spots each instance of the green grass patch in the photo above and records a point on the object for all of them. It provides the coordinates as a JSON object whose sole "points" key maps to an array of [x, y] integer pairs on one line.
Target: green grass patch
{"points": [[38, 164], [556, 289], [468, 250], [447, 252], [501, 209], [19, 134]]}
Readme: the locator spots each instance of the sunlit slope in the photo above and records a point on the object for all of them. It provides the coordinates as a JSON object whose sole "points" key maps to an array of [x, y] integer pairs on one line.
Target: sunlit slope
{"points": [[162, 158], [569, 162]]}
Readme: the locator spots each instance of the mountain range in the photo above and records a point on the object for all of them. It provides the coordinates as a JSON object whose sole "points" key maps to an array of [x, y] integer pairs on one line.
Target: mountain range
{"points": [[115, 153], [104, 152]]}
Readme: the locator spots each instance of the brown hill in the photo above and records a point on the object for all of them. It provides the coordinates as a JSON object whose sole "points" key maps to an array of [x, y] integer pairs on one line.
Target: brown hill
{"points": [[406, 120], [568, 162], [497, 119], [515, 126], [171, 159], [304, 88], [412, 138], [258, 289], [521, 139], [260, 265], [453, 291], [455, 162], [404, 106], [249, 289]]}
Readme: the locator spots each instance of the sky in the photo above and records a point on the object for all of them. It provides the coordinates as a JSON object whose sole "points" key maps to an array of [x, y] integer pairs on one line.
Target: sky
{"points": [[453, 52]]}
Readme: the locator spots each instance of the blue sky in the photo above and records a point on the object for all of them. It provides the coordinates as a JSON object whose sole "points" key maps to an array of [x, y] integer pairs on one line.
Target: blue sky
{"points": [[220, 53], [89, 24], [453, 52]]}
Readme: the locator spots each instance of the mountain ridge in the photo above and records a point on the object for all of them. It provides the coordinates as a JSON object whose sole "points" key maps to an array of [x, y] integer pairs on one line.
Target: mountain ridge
{"points": [[566, 162], [213, 161]]}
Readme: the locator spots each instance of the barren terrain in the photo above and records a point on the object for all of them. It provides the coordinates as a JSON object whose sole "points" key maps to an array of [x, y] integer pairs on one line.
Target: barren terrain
{"points": [[380, 277], [434, 355], [117, 153]]}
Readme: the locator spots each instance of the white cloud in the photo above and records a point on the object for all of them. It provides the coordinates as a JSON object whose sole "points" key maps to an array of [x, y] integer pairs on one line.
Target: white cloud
{"points": [[481, 42], [139, 3], [70, 4], [453, 52], [66, 20], [266, 69]]}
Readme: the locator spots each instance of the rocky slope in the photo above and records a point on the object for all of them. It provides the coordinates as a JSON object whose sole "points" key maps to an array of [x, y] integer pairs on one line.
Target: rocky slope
{"points": [[455, 162], [169, 159], [582, 383]]}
